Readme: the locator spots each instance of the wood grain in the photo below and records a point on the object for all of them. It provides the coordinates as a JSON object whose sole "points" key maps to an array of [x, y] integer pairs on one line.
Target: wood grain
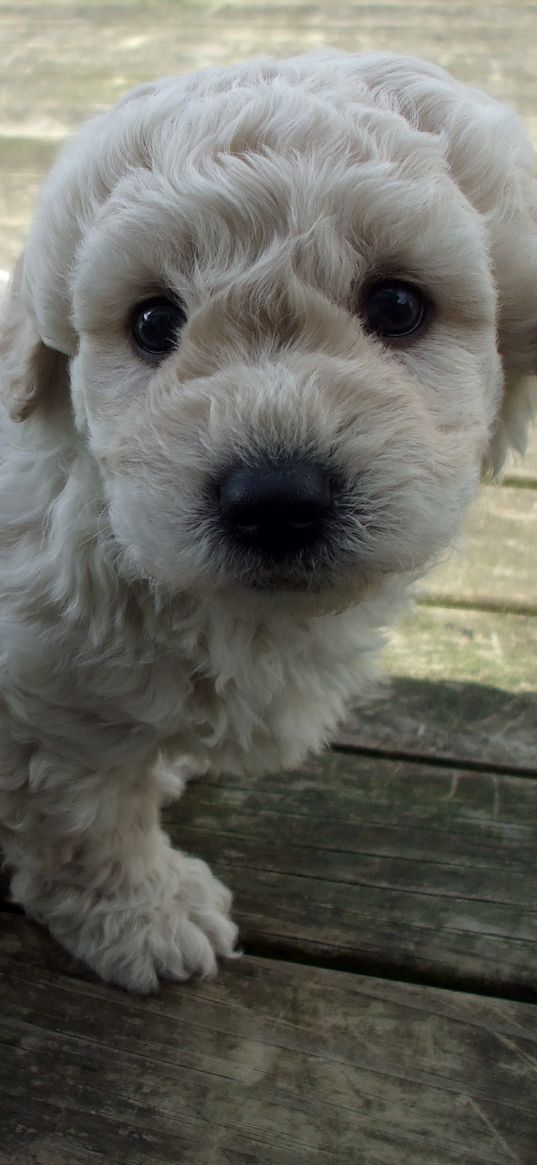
{"points": [[378, 866], [262, 1065], [496, 565], [459, 686]]}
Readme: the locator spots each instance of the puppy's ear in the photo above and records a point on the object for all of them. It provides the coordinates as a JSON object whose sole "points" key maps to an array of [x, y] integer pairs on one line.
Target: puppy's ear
{"points": [[492, 162], [513, 241], [31, 373]]}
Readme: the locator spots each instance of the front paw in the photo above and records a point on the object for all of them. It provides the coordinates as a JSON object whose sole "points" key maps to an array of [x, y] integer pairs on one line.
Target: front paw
{"points": [[172, 926]]}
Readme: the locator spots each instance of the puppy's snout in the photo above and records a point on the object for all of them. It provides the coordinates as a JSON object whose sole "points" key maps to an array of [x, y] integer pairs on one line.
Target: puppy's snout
{"points": [[276, 509]]}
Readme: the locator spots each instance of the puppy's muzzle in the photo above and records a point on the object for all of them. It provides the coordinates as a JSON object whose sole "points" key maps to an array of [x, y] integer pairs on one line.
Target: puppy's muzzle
{"points": [[277, 509]]}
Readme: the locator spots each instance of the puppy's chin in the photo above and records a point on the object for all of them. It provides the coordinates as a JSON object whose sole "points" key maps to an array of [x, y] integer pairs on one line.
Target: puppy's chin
{"points": [[309, 599]]}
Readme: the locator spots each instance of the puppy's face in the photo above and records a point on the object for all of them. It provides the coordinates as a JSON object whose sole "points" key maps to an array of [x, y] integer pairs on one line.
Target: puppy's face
{"points": [[286, 363]]}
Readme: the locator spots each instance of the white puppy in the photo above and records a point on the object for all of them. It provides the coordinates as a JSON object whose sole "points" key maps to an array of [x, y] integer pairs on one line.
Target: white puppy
{"points": [[270, 324]]}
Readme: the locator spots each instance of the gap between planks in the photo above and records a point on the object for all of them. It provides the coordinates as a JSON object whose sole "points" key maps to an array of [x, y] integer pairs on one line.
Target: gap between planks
{"points": [[263, 1064]]}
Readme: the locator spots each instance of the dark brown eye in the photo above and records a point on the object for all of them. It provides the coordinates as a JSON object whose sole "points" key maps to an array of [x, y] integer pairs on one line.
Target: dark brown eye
{"points": [[394, 309], [155, 326]]}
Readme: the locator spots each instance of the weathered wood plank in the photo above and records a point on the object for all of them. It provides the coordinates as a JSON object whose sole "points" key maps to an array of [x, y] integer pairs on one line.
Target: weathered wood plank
{"points": [[460, 686], [448, 721], [473, 647], [378, 866], [49, 86], [496, 565], [268, 1063]]}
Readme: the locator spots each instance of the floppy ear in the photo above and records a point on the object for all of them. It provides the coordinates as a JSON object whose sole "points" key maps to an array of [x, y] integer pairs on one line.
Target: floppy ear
{"points": [[30, 371], [36, 332], [513, 235], [493, 164]]}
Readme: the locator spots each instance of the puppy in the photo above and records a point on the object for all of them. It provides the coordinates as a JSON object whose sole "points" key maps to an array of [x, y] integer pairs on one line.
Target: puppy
{"points": [[271, 325]]}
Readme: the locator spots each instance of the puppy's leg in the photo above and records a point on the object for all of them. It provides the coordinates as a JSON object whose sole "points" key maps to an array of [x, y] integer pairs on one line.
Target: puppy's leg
{"points": [[92, 863]]}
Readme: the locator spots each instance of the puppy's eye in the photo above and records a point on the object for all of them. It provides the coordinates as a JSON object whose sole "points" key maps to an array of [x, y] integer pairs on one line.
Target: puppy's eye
{"points": [[394, 309], [155, 325]]}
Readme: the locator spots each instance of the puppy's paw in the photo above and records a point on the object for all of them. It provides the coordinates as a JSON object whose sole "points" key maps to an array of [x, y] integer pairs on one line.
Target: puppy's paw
{"points": [[175, 925]]}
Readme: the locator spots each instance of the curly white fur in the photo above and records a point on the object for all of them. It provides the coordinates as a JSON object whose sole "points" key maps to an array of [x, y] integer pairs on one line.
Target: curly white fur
{"points": [[136, 647]]}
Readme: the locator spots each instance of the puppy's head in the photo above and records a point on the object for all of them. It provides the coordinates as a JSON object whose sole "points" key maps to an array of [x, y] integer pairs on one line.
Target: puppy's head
{"points": [[297, 299]]}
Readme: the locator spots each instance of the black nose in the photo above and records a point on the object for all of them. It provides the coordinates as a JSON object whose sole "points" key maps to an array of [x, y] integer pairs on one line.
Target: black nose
{"points": [[276, 509]]}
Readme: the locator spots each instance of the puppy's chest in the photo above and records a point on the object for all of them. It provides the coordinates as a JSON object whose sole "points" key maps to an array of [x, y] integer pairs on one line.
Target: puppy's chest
{"points": [[228, 684], [207, 690], [215, 687]]}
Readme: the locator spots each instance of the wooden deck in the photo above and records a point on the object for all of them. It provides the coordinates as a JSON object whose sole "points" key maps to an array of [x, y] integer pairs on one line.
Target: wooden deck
{"points": [[385, 1010]]}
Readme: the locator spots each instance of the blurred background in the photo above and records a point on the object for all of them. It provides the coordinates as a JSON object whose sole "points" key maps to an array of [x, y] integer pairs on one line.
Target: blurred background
{"points": [[63, 61]]}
